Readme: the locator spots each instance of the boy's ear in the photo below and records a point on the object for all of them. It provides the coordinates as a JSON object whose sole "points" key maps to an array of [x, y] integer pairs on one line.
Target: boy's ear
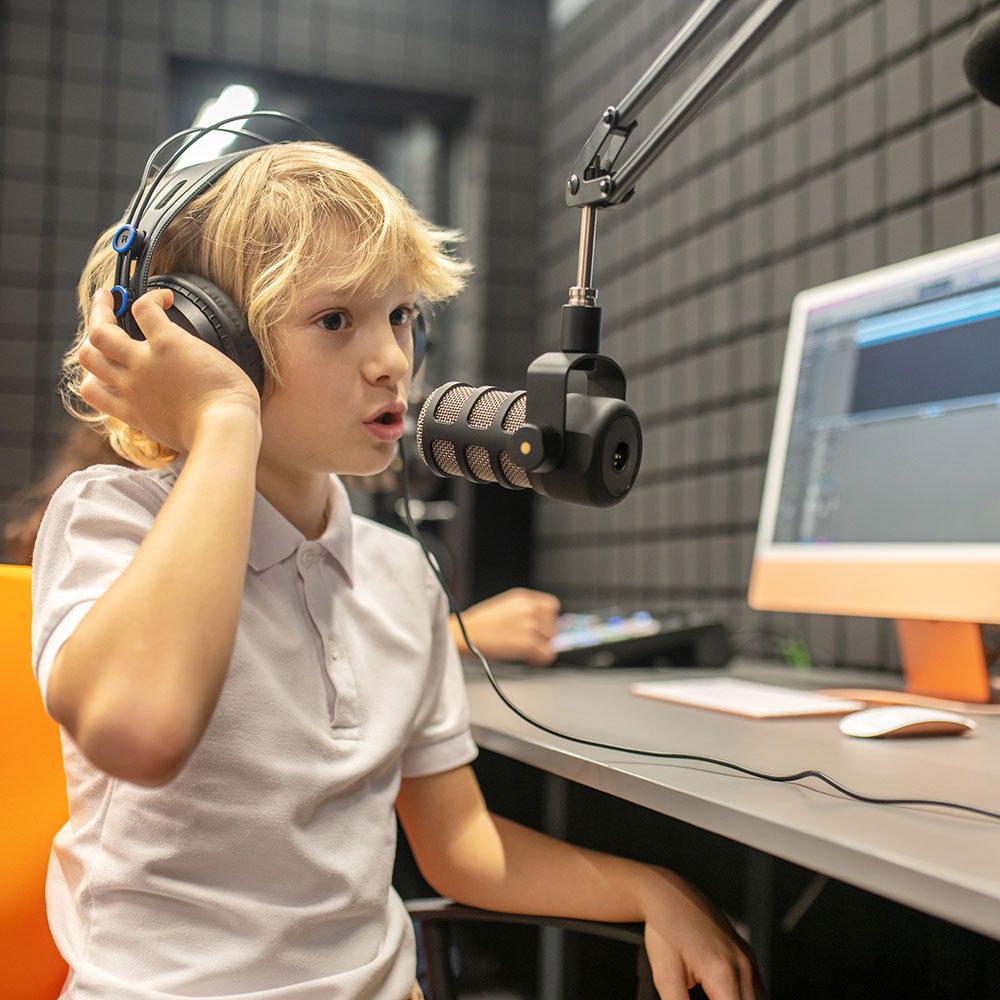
{"points": [[206, 311]]}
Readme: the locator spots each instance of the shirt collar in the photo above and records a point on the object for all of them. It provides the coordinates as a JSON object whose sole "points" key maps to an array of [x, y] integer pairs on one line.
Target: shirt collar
{"points": [[338, 537], [274, 538]]}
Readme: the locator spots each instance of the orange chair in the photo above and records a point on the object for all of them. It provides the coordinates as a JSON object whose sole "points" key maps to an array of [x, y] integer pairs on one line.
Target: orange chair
{"points": [[33, 791]]}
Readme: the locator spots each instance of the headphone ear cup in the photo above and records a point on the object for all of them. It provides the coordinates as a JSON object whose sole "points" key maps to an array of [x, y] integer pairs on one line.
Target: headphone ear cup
{"points": [[419, 341], [206, 311]]}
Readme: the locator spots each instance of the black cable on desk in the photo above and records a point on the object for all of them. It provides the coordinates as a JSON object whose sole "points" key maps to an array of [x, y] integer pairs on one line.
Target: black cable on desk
{"points": [[659, 754]]}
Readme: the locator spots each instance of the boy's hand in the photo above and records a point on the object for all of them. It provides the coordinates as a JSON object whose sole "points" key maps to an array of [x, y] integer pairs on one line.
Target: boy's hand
{"points": [[518, 624], [690, 943], [165, 385]]}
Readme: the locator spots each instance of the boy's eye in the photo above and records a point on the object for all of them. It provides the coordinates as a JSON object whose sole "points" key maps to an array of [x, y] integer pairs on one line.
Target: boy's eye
{"points": [[333, 321], [402, 316]]}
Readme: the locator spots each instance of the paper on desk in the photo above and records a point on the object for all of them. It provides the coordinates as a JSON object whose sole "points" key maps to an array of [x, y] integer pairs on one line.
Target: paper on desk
{"points": [[746, 698]]}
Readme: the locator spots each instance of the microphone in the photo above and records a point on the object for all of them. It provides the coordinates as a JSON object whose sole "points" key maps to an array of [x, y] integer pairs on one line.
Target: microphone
{"points": [[470, 432], [982, 60]]}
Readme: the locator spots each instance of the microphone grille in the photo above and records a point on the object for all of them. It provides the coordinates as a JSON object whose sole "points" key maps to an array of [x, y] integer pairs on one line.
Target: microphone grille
{"points": [[485, 408], [516, 475], [444, 455], [451, 403], [515, 415], [481, 416], [447, 410], [479, 461], [514, 420]]}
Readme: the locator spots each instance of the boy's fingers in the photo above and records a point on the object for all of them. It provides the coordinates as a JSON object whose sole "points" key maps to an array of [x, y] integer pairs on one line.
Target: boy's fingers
{"points": [[102, 308], [98, 363], [544, 629], [543, 655], [723, 984], [672, 984], [99, 396], [150, 312], [112, 341]]}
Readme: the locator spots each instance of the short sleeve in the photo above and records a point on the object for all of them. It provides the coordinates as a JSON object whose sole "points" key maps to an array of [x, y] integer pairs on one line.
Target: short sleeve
{"points": [[91, 531], [441, 739]]}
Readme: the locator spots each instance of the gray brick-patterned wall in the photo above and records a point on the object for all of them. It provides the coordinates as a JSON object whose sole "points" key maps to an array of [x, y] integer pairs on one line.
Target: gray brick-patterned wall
{"points": [[849, 140], [85, 94]]}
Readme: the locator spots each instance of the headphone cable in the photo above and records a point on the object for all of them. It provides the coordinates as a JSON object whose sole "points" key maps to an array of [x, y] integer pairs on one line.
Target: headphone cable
{"points": [[659, 754]]}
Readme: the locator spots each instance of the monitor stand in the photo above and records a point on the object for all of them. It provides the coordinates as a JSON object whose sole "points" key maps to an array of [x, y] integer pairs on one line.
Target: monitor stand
{"points": [[944, 660], [944, 666]]}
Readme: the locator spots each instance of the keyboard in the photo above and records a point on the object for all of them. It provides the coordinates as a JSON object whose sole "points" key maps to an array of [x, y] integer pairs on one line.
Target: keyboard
{"points": [[747, 698]]}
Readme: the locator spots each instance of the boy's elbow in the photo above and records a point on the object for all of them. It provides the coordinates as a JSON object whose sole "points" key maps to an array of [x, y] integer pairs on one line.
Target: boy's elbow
{"points": [[440, 886], [447, 879], [142, 749], [147, 745], [145, 739], [459, 889]]}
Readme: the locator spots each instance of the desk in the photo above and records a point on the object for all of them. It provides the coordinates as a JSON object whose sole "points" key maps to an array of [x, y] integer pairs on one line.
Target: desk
{"points": [[940, 862]]}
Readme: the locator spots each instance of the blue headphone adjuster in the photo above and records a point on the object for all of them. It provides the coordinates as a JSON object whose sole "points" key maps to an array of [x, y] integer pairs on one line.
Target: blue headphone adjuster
{"points": [[126, 238], [121, 303]]}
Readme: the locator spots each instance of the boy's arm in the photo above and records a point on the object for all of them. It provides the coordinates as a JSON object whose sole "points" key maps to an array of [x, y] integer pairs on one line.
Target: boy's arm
{"points": [[476, 858], [137, 681]]}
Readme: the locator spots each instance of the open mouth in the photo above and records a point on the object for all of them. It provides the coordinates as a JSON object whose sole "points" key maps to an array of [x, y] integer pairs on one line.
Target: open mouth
{"points": [[387, 426]]}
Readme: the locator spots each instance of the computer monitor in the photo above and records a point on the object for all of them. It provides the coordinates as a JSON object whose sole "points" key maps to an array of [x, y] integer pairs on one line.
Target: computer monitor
{"points": [[882, 493]]}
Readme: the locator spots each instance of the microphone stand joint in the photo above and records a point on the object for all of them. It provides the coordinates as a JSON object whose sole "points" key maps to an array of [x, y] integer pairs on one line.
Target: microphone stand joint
{"points": [[582, 296]]}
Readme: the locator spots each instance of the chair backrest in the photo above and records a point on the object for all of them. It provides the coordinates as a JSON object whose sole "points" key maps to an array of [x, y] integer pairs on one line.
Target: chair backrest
{"points": [[33, 792]]}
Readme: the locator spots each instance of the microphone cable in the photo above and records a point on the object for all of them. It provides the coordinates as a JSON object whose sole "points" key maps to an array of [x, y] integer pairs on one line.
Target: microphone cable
{"points": [[658, 754]]}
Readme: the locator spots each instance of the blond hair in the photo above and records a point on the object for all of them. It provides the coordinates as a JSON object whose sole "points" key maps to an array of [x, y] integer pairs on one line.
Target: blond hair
{"points": [[252, 233]]}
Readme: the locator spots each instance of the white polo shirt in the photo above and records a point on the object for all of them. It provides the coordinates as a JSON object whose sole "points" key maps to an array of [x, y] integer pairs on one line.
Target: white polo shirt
{"points": [[263, 870]]}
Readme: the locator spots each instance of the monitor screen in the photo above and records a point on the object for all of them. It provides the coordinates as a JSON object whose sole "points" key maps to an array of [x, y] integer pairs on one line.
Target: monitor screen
{"points": [[882, 493], [896, 415]]}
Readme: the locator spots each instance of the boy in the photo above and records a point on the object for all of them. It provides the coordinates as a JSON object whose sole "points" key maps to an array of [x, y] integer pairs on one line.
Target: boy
{"points": [[248, 679]]}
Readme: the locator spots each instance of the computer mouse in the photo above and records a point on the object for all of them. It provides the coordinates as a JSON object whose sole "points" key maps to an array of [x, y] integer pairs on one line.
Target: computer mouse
{"points": [[905, 720]]}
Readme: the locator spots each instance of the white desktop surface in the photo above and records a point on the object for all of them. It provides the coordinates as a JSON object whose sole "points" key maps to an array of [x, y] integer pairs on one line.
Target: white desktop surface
{"points": [[942, 862]]}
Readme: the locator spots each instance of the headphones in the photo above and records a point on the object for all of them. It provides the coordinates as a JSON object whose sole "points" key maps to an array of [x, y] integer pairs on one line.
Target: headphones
{"points": [[200, 307]]}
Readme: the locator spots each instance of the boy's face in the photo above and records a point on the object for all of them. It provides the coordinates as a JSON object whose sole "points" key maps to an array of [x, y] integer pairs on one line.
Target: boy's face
{"points": [[345, 369]]}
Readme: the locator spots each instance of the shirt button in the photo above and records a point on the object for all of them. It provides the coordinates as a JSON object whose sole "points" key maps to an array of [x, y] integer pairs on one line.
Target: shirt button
{"points": [[309, 558]]}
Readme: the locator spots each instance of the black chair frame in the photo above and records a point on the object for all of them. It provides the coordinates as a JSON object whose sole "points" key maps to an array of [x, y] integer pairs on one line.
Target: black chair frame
{"points": [[433, 918]]}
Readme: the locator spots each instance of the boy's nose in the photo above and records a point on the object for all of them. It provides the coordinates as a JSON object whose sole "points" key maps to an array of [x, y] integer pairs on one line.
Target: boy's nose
{"points": [[389, 360]]}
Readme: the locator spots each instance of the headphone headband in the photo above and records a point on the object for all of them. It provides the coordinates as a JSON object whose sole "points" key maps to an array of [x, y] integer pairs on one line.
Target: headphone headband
{"points": [[207, 312], [149, 213], [135, 246]]}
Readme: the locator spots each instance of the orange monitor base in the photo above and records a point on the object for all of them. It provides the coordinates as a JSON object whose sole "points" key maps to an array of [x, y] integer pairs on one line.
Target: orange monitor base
{"points": [[944, 660], [943, 665]]}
